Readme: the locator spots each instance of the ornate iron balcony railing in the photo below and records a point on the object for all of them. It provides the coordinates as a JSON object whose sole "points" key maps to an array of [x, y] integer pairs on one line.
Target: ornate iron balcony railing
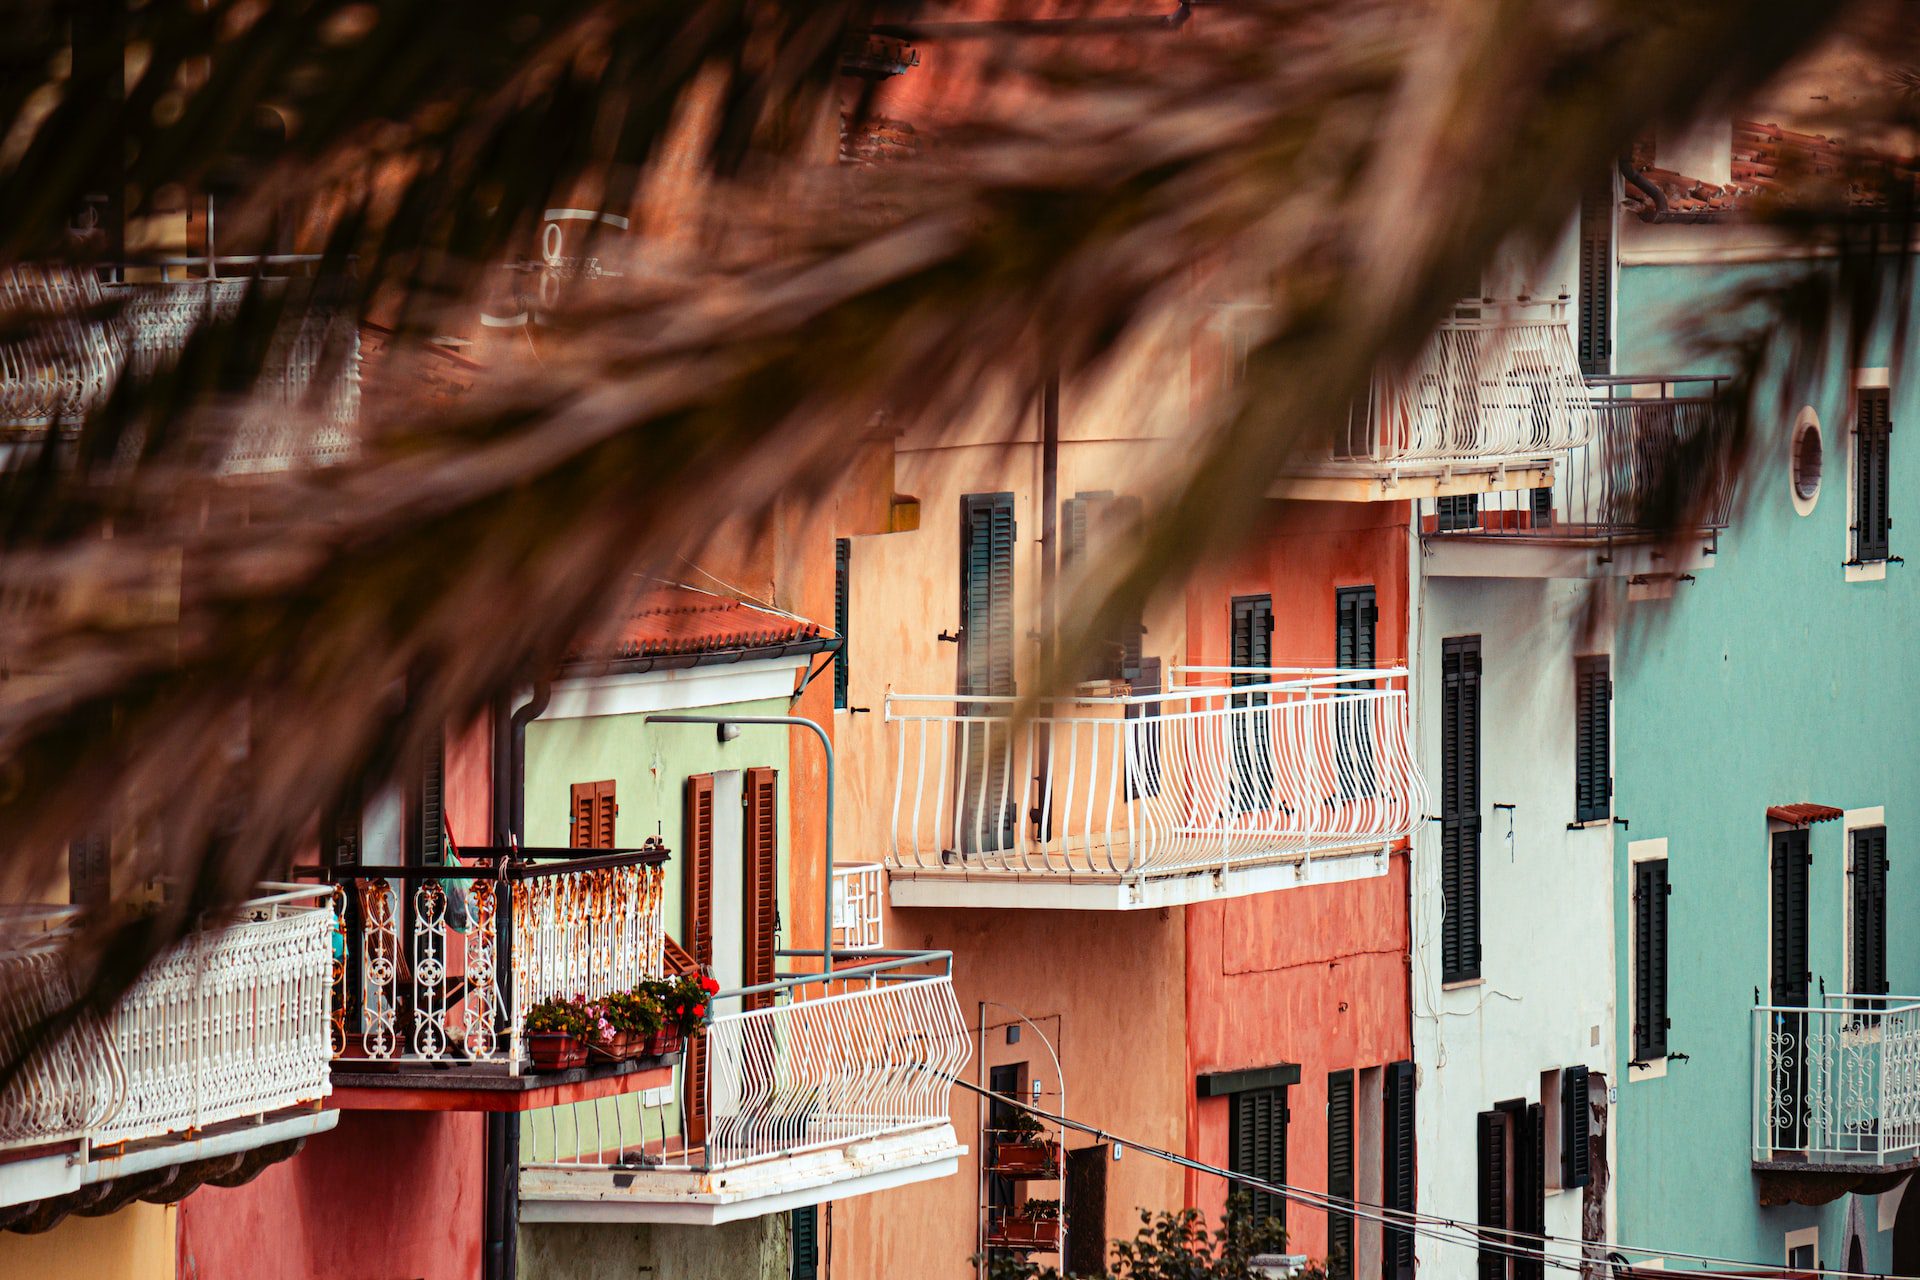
{"points": [[1837, 1084], [1240, 765], [303, 408], [230, 1022], [1499, 380], [793, 1066], [441, 964]]}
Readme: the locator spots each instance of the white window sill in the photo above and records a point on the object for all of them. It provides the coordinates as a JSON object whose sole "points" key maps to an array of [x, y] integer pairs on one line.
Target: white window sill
{"points": [[1871, 571], [1655, 1070], [1590, 825], [1465, 984]]}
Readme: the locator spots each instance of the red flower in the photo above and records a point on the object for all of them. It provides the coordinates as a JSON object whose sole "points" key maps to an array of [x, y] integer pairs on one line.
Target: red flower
{"points": [[700, 1011], [709, 986]]}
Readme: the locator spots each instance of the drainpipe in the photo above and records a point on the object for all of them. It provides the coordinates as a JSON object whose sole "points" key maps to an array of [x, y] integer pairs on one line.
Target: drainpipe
{"points": [[1049, 553], [502, 1199], [1651, 190], [826, 745]]}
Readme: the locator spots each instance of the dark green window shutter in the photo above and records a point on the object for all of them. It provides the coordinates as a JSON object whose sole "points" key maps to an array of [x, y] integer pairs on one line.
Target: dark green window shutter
{"points": [[986, 593], [1357, 615], [1869, 928], [1593, 778], [1340, 1173], [1253, 762], [1650, 960], [842, 569], [1257, 1139], [1530, 1189], [1459, 511], [430, 835], [1252, 639], [1872, 449], [1087, 518], [1792, 979], [1540, 503], [806, 1243], [1143, 777], [1491, 1134], [1576, 1156], [1397, 1169], [1596, 276], [1460, 808]]}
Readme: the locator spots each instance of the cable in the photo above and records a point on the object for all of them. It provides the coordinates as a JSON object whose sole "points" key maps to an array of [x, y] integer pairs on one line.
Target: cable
{"points": [[1431, 1226]]}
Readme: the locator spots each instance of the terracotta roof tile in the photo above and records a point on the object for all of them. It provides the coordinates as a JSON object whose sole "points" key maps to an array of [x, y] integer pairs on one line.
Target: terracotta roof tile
{"points": [[670, 619], [1772, 165], [1800, 815]]}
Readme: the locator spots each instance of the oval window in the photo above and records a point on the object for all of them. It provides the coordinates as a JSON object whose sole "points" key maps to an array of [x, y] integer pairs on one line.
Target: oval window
{"points": [[1805, 461]]}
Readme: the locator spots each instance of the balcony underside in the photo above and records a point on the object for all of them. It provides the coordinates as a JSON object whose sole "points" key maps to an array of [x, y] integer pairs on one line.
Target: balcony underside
{"points": [[467, 1086], [1363, 480], [599, 1193], [1779, 1182], [1568, 552], [58, 1173], [1004, 886]]}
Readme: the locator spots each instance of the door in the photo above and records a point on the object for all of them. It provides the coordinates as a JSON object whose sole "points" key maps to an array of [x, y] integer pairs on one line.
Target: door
{"points": [[1790, 979], [1086, 1241]]}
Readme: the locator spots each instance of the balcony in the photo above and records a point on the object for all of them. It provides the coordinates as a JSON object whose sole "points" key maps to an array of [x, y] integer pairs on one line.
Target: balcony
{"points": [[1494, 397], [858, 893], [804, 1090], [143, 327], [212, 1066], [1836, 1096], [1591, 519], [440, 965], [1236, 781]]}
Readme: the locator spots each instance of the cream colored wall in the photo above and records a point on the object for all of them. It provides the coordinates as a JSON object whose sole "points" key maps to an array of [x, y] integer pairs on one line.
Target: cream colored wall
{"points": [[135, 1243]]}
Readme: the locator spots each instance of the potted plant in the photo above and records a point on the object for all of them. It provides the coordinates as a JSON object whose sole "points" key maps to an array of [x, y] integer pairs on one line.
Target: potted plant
{"points": [[557, 1033], [684, 1001], [1034, 1225], [1021, 1149], [635, 1017]]}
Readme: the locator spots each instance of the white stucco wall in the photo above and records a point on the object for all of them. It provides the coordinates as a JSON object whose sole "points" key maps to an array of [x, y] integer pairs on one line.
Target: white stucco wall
{"points": [[1544, 999]]}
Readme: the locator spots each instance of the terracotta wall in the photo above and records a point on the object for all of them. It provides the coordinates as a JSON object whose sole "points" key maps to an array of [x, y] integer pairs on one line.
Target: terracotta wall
{"points": [[385, 1196]]}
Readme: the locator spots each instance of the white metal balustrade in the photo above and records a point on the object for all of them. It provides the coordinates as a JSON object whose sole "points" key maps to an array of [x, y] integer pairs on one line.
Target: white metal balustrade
{"points": [[1497, 381], [868, 1053], [1233, 766], [858, 892], [303, 408], [430, 949], [1837, 1084], [231, 1022]]}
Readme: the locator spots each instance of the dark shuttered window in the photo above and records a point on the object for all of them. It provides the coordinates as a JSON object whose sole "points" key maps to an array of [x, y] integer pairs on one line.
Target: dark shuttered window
{"points": [[1090, 522], [1650, 894], [1596, 276], [1252, 652], [1258, 1142], [1592, 751], [986, 593], [842, 599], [1357, 615], [1460, 808], [427, 840], [1576, 1156], [1397, 1169], [1459, 511], [1791, 969], [1868, 928], [1872, 447], [1529, 1189], [806, 1243], [1492, 1143], [1340, 1173], [1356, 618]]}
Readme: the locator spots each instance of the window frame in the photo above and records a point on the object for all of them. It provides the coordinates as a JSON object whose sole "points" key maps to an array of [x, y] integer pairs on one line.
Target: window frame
{"points": [[1592, 797]]}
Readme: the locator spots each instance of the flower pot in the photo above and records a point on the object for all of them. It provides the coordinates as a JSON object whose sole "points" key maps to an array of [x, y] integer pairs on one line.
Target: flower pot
{"points": [[663, 1040], [1014, 1232], [617, 1047], [1022, 1157], [555, 1051]]}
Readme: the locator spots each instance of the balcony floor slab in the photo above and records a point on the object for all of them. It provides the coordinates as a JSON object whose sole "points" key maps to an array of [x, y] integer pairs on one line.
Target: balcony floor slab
{"points": [[1088, 891], [1402, 482], [1546, 555], [597, 1193], [464, 1086]]}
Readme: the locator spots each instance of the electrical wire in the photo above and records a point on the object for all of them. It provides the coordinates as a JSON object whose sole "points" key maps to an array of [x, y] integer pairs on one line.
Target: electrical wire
{"points": [[1429, 1226]]}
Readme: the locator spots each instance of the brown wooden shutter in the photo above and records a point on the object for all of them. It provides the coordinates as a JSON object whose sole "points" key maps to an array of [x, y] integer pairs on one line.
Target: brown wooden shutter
{"points": [[696, 911], [762, 880], [580, 816], [593, 812]]}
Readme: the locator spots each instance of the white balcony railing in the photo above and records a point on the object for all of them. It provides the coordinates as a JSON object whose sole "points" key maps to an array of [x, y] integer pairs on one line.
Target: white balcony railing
{"points": [[858, 892], [229, 1023], [1238, 765], [428, 950], [67, 369], [1838, 1084], [868, 1053], [1497, 381]]}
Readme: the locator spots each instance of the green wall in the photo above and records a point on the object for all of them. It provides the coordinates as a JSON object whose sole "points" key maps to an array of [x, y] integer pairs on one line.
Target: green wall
{"points": [[1768, 680]]}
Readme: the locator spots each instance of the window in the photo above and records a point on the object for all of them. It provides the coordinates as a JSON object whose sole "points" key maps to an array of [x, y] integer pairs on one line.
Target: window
{"points": [[1397, 1169], [1593, 750], [1460, 511], [842, 564], [762, 882], [1356, 618], [1803, 1249], [427, 839], [1143, 769], [1340, 1173], [1257, 1141], [1460, 808], [1867, 923], [1596, 277], [1872, 444], [1540, 506], [984, 789], [1253, 763], [805, 1253], [1576, 1118], [1650, 1022], [1089, 521], [591, 815], [1806, 461], [1512, 1186]]}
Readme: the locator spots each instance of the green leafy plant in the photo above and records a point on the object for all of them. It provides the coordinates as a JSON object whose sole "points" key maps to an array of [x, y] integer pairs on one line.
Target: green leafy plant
{"points": [[637, 1012], [1022, 1126], [1041, 1210], [557, 1015], [1172, 1246]]}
